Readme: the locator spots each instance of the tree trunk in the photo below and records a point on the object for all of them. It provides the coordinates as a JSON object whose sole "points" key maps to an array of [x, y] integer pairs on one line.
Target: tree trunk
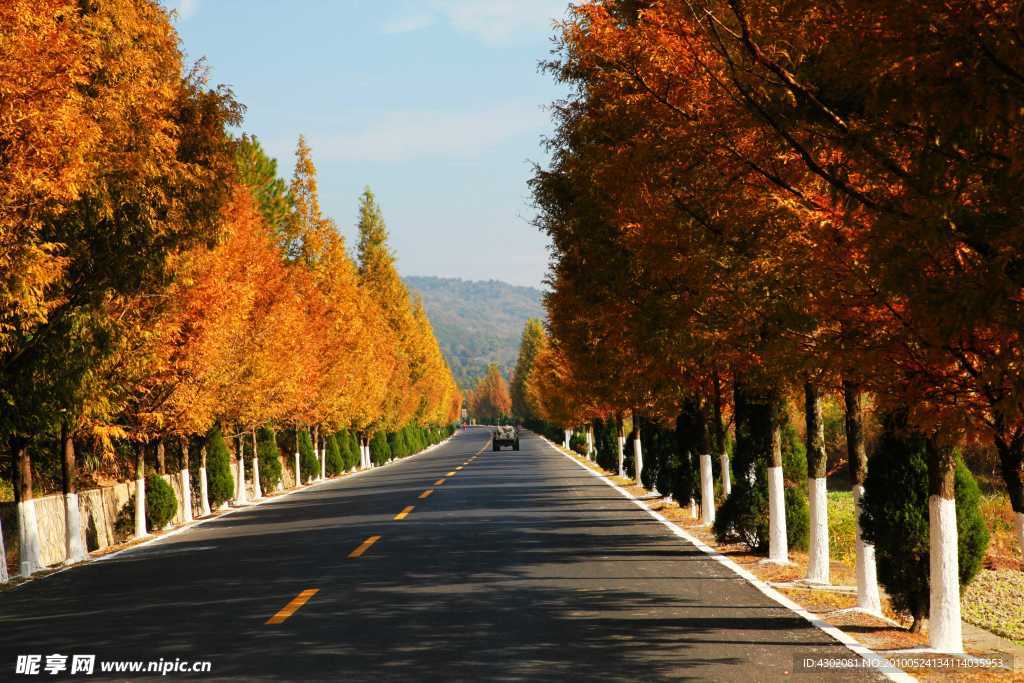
{"points": [[621, 440], [944, 627], [817, 491], [316, 444], [241, 495], [718, 433], [1011, 463], [186, 482], [161, 457], [257, 489], [204, 487], [140, 490], [74, 540], [30, 549], [778, 543], [868, 598], [638, 451]]}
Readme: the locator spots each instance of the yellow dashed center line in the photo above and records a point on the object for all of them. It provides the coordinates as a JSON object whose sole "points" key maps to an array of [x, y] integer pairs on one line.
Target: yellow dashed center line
{"points": [[439, 482], [450, 474], [426, 494], [459, 468], [293, 606], [404, 513], [363, 547]]}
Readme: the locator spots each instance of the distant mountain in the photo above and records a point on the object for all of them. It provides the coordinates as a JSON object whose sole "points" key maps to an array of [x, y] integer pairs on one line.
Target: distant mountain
{"points": [[478, 322]]}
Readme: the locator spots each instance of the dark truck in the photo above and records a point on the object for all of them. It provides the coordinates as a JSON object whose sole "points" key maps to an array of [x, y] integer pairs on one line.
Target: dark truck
{"points": [[505, 435]]}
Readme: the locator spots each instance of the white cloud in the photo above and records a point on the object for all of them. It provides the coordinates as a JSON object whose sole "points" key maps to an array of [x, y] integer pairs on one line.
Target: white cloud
{"points": [[410, 22], [407, 135], [491, 21]]}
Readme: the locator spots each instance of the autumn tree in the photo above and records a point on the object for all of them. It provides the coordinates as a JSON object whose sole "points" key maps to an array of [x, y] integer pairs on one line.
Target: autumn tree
{"points": [[491, 402]]}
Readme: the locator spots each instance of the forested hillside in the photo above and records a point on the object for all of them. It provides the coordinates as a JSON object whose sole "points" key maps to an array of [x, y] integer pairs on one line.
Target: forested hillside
{"points": [[477, 322]]}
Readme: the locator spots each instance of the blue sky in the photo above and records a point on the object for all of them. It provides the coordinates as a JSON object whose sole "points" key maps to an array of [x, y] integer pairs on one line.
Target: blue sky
{"points": [[438, 105]]}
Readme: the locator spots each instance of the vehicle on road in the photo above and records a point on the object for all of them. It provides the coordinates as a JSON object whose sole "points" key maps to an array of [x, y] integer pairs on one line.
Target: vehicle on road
{"points": [[505, 435]]}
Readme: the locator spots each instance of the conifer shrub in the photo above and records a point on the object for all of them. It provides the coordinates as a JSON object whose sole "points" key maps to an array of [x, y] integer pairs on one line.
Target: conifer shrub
{"points": [[269, 459], [308, 462], [894, 517], [353, 450], [743, 516], [397, 444], [161, 503], [606, 441], [578, 443], [380, 452], [346, 444], [335, 461], [220, 481]]}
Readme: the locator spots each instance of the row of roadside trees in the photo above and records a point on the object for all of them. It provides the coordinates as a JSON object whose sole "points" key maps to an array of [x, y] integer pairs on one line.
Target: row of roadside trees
{"points": [[157, 277], [749, 203]]}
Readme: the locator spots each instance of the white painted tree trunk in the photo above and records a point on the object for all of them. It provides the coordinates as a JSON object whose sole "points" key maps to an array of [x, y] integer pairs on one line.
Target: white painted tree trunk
{"points": [[817, 553], [707, 490], [4, 576], [568, 438], [140, 508], [257, 491], [74, 543], [240, 493], [323, 463], [638, 458], [723, 460], [204, 492], [868, 598], [693, 509], [298, 472], [778, 546], [186, 496], [590, 443], [28, 536], [944, 628], [622, 455]]}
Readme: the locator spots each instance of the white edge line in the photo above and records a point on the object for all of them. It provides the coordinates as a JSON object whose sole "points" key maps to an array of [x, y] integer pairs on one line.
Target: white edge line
{"points": [[886, 668], [203, 520]]}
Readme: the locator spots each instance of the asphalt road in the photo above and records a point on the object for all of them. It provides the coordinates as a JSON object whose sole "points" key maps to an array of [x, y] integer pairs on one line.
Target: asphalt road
{"points": [[519, 566]]}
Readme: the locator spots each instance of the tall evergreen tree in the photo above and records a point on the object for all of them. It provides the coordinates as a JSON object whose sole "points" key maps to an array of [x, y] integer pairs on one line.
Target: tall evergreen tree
{"points": [[258, 171], [533, 337]]}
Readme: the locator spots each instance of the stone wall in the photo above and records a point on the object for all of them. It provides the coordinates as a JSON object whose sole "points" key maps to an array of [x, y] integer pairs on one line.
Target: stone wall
{"points": [[105, 522]]}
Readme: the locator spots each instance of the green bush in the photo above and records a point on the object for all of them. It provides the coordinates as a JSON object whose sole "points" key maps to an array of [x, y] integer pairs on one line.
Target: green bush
{"points": [[743, 516], [161, 503], [269, 459], [578, 442], [606, 441], [308, 462], [894, 517], [380, 452], [348, 442], [397, 444], [219, 479], [335, 461]]}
